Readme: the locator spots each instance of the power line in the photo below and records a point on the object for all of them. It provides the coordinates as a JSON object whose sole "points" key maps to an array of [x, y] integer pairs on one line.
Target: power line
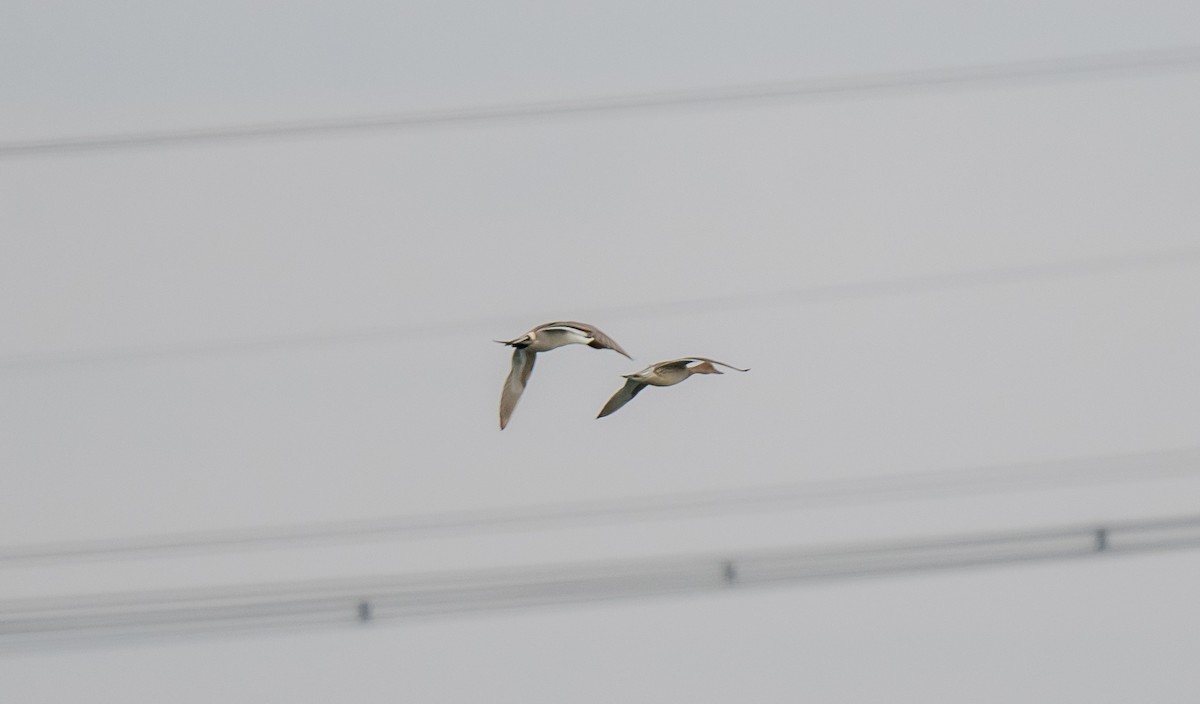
{"points": [[900, 286], [1031, 476], [1180, 58], [41, 622]]}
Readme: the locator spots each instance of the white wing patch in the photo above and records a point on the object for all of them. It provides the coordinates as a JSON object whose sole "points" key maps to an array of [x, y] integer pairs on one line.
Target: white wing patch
{"points": [[568, 328]]}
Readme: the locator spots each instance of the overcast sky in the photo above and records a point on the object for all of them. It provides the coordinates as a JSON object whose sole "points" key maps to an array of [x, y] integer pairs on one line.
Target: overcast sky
{"points": [[266, 332]]}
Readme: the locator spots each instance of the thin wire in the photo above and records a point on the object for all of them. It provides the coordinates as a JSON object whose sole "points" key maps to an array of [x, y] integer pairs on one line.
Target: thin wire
{"points": [[23, 622], [900, 286], [1180, 58], [1181, 463]]}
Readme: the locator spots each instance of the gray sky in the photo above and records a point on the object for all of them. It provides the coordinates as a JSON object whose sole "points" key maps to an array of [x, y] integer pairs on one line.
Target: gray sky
{"points": [[126, 273]]}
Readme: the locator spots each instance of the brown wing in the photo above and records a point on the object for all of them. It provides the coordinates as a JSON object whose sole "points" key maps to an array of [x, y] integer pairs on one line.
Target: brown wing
{"points": [[623, 396], [514, 385], [601, 340]]}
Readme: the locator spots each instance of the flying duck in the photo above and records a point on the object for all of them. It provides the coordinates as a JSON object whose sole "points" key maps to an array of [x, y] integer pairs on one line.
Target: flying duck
{"points": [[666, 373], [542, 339]]}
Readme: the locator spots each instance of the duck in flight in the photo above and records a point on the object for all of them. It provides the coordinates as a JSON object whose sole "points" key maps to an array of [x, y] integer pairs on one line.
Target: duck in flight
{"points": [[544, 338], [666, 373]]}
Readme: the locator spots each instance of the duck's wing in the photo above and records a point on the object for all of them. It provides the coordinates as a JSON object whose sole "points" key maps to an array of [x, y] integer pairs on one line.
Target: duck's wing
{"points": [[727, 366], [622, 397], [600, 339], [514, 385], [699, 360], [672, 364]]}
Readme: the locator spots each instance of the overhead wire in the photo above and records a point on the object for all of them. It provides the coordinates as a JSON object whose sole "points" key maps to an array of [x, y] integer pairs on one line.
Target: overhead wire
{"points": [[1079, 66], [48, 622], [966, 279], [1043, 475]]}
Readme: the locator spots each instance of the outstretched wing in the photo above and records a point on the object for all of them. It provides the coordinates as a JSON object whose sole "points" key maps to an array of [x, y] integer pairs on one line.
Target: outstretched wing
{"points": [[673, 364], [622, 397], [688, 361], [600, 340], [514, 385], [727, 366]]}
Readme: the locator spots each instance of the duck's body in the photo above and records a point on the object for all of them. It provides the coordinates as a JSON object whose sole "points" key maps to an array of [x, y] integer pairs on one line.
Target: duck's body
{"points": [[668, 373], [544, 338]]}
